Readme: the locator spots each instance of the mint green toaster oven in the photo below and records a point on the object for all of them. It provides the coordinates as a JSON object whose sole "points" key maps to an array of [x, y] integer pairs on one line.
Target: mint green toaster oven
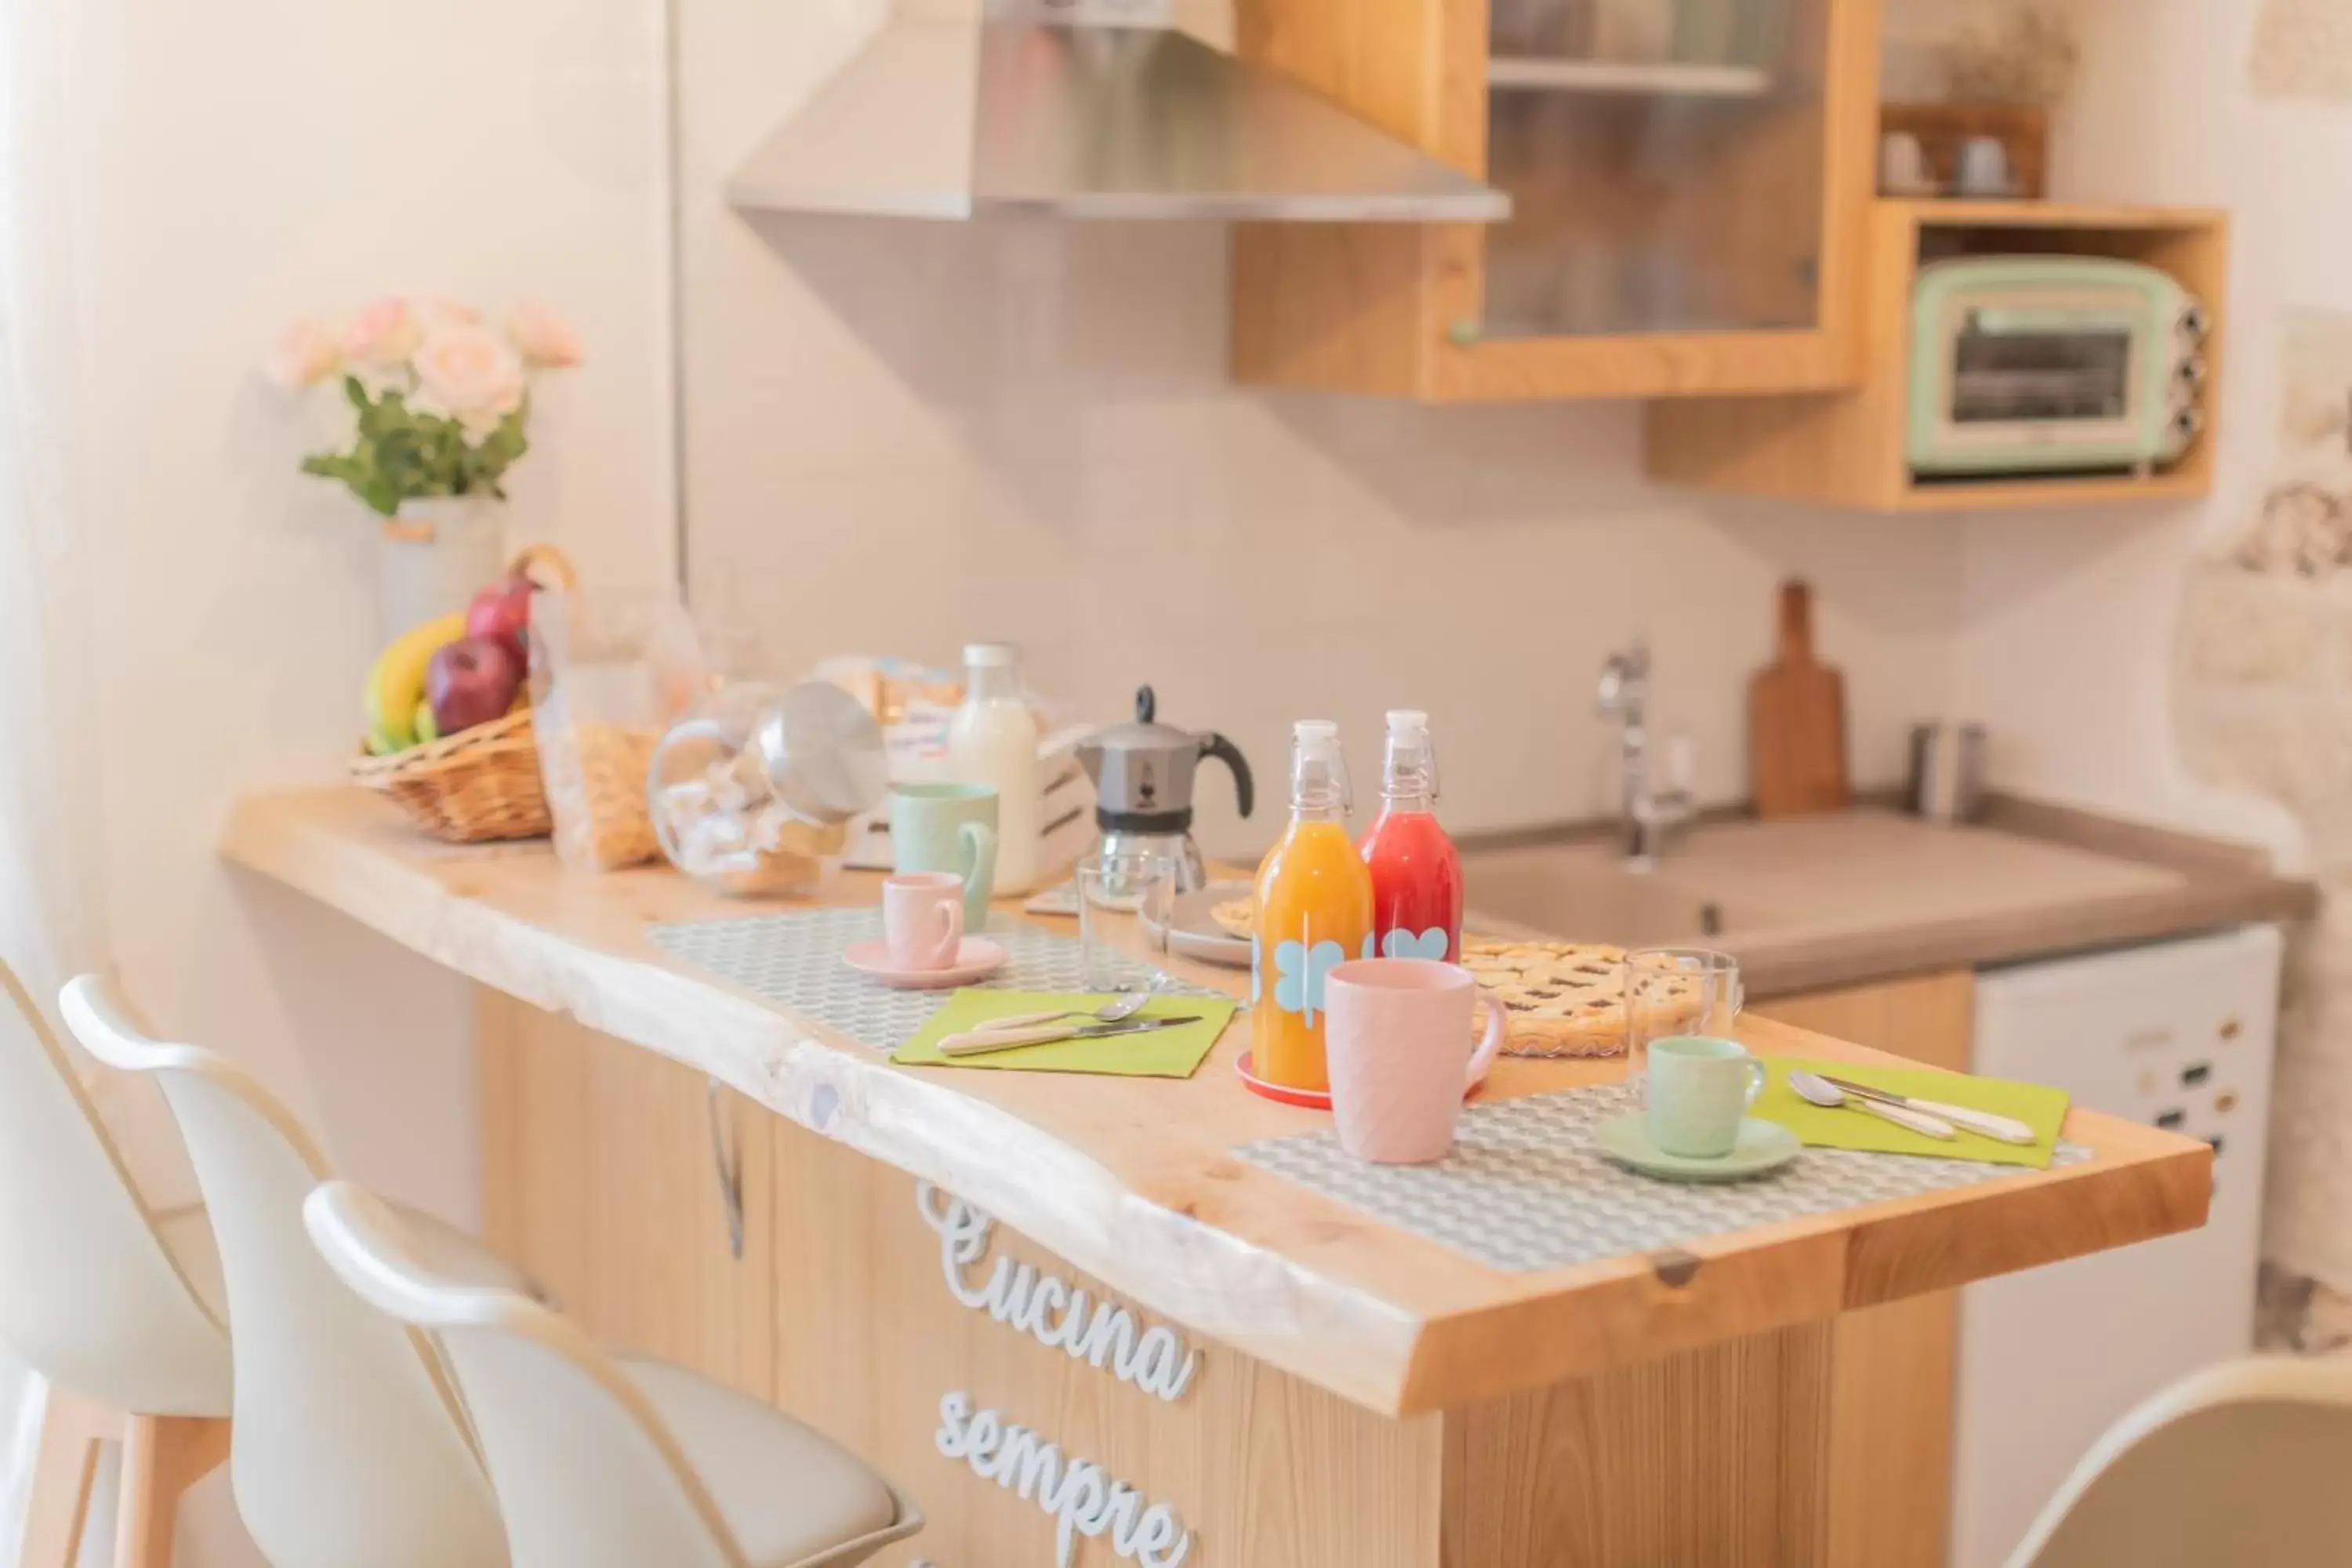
{"points": [[2034, 364]]}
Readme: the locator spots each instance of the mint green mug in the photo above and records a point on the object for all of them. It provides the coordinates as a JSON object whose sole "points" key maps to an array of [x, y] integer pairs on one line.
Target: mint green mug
{"points": [[1700, 1086], [948, 827]]}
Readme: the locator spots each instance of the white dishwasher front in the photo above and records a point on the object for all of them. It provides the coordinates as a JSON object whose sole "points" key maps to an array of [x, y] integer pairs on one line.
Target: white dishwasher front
{"points": [[2179, 1035]]}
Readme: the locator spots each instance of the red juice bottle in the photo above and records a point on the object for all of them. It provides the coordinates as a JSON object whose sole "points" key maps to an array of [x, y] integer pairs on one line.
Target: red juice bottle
{"points": [[1416, 875]]}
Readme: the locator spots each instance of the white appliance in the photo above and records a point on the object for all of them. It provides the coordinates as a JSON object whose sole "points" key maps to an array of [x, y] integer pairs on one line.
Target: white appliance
{"points": [[2179, 1035]]}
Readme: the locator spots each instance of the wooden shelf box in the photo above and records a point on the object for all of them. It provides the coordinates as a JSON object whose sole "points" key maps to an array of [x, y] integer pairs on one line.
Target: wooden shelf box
{"points": [[1847, 448]]}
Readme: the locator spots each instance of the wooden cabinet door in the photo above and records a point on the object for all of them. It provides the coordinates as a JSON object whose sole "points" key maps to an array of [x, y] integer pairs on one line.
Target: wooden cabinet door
{"points": [[1690, 183], [1891, 1367], [601, 1174]]}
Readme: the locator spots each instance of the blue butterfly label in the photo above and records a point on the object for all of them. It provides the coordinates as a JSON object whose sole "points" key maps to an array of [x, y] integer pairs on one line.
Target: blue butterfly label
{"points": [[1301, 971], [1403, 943]]}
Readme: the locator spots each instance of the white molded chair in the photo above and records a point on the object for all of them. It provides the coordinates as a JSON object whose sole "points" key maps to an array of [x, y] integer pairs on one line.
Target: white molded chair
{"points": [[2243, 1463], [94, 1297], [616, 1464], [348, 1448]]}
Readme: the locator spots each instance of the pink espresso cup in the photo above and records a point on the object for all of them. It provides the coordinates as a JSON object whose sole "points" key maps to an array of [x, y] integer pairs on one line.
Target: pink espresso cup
{"points": [[922, 918], [1397, 1033]]}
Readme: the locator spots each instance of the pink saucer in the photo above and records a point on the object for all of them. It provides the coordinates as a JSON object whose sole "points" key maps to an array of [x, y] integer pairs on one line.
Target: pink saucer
{"points": [[976, 958], [1310, 1099]]}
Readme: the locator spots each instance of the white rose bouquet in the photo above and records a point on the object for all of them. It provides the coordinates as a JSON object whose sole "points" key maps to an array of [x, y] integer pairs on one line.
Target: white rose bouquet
{"points": [[442, 400]]}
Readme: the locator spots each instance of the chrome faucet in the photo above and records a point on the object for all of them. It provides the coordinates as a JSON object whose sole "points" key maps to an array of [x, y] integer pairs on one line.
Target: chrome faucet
{"points": [[1650, 814]]}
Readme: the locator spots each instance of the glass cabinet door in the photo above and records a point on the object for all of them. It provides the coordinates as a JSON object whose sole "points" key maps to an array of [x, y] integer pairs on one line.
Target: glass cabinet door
{"points": [[1666, 159]]}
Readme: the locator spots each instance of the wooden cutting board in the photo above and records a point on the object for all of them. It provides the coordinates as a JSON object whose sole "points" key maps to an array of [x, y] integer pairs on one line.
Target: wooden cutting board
{"points": [[1796, 721]]}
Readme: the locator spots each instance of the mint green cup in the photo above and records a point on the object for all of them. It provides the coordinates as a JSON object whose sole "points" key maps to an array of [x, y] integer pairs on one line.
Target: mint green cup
{"points": [[1699, 1088], [948, 827]]}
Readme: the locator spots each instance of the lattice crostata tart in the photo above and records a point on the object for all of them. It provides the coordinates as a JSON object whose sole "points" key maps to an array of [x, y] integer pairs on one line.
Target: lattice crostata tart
{"points": [[1565, 998]]}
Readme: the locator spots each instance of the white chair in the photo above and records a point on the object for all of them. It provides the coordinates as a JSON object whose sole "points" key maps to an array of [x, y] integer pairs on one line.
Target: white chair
{"points": [[616, 1464], [97, 1301], [348, 1450], [2243, 1463]]}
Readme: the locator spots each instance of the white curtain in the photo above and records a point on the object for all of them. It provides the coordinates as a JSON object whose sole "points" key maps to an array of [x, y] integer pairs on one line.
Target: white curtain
{"points": [[47, 928]]}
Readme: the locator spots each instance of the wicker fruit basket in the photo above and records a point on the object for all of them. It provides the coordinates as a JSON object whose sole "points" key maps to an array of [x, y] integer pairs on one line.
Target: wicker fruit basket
{"points": [[470, 787], [481, 784]]}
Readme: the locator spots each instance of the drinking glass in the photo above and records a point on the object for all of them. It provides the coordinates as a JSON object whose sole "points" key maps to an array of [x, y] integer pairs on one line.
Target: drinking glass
{"points": [[1676, 991], [1126, 899]]}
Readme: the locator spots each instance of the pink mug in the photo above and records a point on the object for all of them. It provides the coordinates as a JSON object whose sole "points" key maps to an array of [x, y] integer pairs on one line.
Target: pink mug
{"points": [[922, 918], [1397, 1033]]}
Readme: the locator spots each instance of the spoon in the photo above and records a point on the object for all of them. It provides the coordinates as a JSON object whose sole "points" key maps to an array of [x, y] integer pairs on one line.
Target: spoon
{"points": [[2007, 1129], [1821, 1092], [1116, 1010]]}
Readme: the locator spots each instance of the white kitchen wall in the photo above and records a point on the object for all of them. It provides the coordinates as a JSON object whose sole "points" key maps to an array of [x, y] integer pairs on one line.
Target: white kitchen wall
{"points": [[901, 435], [233, 164], [247, 161], [2068, 619]]}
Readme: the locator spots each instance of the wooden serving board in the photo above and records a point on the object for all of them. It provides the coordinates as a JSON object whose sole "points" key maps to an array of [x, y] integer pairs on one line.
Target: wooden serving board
{"points": [[1796, 722]]}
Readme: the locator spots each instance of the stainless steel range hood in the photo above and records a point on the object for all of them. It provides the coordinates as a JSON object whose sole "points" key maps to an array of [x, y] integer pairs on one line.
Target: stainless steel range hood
{"points": [[1085, 108]]}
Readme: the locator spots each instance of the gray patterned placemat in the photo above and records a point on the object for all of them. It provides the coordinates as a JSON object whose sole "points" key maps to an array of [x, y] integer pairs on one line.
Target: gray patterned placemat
{"points": [[1524, 1189], [795, 960]]}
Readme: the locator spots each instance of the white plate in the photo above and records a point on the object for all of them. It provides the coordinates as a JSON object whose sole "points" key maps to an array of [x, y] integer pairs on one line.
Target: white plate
{"points": [[976, 958], [1192, 933]]}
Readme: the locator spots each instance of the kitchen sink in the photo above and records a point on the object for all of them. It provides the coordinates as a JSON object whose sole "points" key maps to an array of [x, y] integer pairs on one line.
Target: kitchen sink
{"points": [[1580, 893]]}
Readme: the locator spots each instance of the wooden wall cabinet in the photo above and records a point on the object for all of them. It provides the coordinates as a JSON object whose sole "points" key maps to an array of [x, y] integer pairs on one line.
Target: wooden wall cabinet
{"points": [[1691, 181]]}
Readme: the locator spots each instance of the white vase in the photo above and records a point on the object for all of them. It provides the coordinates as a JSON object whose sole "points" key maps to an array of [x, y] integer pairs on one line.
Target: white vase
{"points": [[433, 557]]}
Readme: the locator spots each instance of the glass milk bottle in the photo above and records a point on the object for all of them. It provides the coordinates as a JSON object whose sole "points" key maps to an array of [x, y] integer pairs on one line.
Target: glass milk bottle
{"points": [[992, 740], [1314, 912]]}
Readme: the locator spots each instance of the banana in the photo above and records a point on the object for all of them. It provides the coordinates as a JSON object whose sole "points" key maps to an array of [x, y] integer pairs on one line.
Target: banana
{"points": [[427, 729], [396, 682]]}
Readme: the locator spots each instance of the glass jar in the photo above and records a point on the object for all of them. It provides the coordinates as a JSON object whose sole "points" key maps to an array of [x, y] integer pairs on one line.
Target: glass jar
{"points": [[753, 794]]}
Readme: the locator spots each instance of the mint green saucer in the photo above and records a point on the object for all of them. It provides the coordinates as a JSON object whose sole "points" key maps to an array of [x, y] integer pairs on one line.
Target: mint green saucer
{"points": [[1763, 1146]]}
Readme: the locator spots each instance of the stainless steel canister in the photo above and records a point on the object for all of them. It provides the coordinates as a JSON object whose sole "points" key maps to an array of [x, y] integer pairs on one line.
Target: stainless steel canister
{"points": [[1948, 771]]}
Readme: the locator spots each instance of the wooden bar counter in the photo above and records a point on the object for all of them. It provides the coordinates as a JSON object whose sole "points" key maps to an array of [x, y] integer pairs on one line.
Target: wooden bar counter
{"points": [[1362, 1398]]}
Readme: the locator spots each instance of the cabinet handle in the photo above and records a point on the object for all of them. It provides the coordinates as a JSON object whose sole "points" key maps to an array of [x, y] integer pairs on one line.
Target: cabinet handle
{"points": [[729, 1164]]}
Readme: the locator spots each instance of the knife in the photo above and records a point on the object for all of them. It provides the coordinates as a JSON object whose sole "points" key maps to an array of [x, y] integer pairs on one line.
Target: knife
{"points": [[2004, 1129], [979, 1042]]}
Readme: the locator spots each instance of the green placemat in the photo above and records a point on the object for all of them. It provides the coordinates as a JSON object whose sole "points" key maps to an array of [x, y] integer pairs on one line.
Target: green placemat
{"points": [[1161, 1053], [2038, 1106]]}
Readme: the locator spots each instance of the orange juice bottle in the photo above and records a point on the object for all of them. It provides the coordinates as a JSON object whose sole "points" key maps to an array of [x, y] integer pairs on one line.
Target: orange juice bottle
{"points": [[1314, 913]]}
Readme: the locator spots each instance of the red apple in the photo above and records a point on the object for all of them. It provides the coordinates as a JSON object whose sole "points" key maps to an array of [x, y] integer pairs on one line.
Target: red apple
{"points": [[472, 682], [502, 612]]}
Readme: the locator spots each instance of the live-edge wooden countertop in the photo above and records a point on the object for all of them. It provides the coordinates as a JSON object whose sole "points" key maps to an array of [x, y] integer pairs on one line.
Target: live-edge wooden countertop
{"points": [[1133, 1180]]}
